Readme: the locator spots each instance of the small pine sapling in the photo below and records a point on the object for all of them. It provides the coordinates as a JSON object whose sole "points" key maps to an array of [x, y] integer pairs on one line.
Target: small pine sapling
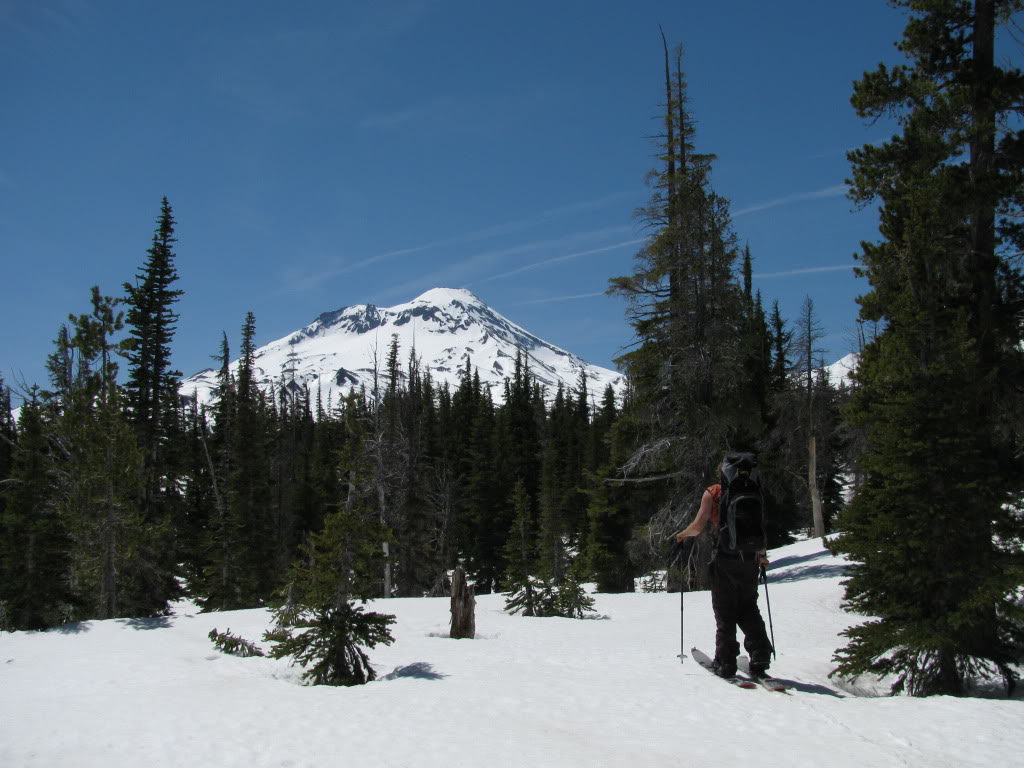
{"points": [[572, 600], [520, 556], [319, 626]]}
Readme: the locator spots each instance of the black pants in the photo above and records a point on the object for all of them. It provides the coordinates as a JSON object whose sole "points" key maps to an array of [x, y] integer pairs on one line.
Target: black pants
{"points": [[734, 600]]}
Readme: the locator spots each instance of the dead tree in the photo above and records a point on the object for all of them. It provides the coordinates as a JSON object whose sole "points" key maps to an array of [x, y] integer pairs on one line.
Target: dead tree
{"points": [[463, 607]]}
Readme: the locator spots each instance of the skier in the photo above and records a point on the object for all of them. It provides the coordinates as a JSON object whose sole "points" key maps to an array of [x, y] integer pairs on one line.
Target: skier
{"points": [[734, 571]]}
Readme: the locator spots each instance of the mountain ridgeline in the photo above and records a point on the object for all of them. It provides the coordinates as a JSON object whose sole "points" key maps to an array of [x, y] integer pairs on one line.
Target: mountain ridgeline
{"points": [[446, 329]]}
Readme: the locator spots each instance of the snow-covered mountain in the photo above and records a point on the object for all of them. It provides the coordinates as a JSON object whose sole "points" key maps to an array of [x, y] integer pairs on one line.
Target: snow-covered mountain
{"points": [[445, 326], [840, 372]]}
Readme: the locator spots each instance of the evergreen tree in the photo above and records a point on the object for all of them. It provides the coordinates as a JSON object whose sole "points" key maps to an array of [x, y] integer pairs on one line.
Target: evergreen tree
{"points": [[781, 338], [483, 503], [8, 435], [241, 569], [573, 602], [520, 557], [610, 527], [200, 497], [249, 490], [223, 585], [932, 530], [34, 589], [685, 305], [152, 397], [320, 625], [115, 557], [784, 445]]}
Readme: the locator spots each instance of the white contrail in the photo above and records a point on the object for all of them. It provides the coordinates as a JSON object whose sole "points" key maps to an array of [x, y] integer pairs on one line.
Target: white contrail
{"points": [[834, 191], [804, 271]]}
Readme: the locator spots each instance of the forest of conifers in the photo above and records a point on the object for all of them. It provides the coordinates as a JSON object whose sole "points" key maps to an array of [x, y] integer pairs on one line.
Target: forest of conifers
{"points": [[119, 494]]}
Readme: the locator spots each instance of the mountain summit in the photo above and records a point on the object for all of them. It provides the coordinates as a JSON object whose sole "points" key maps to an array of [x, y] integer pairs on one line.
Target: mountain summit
{"points": [[446, 327]]}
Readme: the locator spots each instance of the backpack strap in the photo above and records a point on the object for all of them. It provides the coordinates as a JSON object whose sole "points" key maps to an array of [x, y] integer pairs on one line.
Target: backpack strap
{"points": [[715, 491]]}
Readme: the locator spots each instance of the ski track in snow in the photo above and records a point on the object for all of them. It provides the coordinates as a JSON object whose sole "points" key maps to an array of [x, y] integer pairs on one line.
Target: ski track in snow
{"points": [[527, 692]]}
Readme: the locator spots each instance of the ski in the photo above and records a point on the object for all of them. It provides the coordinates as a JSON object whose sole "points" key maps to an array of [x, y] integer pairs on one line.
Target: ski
{"points": [[765, 681], [705, 661]]}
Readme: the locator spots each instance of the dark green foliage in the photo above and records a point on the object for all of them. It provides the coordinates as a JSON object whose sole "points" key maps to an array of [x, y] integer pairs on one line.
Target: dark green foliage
{"points": [[610, 528], [234, 645], [934, 530], [572, 601], [34, 544], [151, 321], [701, 369], [116, 560], [482, 501], [332, 641], [942, 588], [241, 570], [319, 625], [8, 436], [520, 557], [802, 404], [151, 394], [541, 579]]}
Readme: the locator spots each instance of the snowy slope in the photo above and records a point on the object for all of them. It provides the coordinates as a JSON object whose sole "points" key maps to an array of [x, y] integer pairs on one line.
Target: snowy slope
{"points": [[445, 326], [527, 692], [841, 370]]}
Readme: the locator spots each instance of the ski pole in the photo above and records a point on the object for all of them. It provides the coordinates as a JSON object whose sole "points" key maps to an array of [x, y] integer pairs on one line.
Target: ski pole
{"points": [[679, 549], [682, 620], [768, 602]]}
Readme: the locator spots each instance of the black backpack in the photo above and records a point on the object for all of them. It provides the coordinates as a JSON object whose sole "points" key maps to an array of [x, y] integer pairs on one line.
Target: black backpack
{"points": [[741, 506]]}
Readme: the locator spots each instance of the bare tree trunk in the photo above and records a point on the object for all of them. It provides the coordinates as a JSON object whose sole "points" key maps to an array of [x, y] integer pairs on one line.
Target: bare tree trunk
{"points": [[812, 485], [463, 607]]}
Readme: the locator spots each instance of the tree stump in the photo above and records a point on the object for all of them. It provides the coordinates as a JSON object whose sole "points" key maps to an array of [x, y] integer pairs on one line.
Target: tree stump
{"points": [[463, 607]]}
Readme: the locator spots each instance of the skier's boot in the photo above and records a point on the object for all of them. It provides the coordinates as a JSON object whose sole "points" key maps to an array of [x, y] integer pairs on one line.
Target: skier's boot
{"points": [[724, 669], [759, 665]]}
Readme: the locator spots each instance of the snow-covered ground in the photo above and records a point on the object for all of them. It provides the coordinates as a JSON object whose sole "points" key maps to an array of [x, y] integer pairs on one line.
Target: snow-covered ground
{"points": [[527, 692]]}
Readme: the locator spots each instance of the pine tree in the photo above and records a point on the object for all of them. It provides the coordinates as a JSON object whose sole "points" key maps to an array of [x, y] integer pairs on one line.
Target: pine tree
{"points": [[319, 624], [685, 305], [200, 497], [241, 569], [610, 527], [223, 580], [781, 339], [520, 557], [152, 396], [96, 470], [784, 446], [8, 435], [34, 545], [573, 601], [249, 490], [932, 530]]}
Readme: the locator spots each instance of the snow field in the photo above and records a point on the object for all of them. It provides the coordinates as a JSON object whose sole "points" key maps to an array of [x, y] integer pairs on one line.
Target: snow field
{"points": [[527, 692]]}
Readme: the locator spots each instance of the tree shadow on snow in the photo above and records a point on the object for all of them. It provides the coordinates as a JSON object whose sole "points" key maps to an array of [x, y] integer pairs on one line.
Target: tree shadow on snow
{"points": [[821, 690], [74, 628], [804, 569], [823, 571], [783, 562], [160, 622], [419, 670]]}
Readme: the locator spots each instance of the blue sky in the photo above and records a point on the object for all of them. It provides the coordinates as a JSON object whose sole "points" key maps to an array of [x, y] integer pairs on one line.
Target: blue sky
{"points": [[320, 154]]}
